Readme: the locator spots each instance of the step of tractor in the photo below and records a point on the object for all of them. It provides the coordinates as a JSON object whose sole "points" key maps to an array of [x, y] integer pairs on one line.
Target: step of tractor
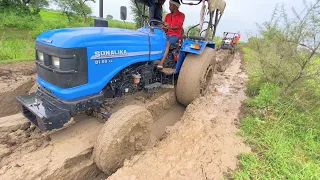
{"points": [[156, 62], [168, 71]]}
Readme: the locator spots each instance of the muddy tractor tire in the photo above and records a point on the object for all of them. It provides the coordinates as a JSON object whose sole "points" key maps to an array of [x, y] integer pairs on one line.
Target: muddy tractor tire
{"points": [[126, 133], [195, 75]]}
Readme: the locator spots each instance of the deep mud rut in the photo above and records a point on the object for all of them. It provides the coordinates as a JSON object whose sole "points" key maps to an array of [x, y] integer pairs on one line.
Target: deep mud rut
{"points": [[203, 144]]}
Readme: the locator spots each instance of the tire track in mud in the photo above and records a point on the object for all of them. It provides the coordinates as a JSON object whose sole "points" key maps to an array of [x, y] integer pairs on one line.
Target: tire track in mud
{"points": [[203, 144]]}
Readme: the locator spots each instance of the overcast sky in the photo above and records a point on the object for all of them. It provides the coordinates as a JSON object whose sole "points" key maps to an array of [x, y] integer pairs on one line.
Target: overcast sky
{"points": [[239, 15]]}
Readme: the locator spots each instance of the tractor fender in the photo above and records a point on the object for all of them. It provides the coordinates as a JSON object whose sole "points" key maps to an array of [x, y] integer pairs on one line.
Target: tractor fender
{"points": [[186, 49]]}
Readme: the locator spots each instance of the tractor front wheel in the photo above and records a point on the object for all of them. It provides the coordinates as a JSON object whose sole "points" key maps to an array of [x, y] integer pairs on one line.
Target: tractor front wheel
{"points": [[125, 134], [195, 75]]}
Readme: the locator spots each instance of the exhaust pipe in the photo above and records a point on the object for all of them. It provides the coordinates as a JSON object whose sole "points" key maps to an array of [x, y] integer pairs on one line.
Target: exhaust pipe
{"points": [[100, 22], [101, 8]]}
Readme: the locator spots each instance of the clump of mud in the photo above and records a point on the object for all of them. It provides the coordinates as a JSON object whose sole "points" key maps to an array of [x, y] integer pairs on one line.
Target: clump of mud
{"points": [[17, 138], [204, 144], [15, 79]]}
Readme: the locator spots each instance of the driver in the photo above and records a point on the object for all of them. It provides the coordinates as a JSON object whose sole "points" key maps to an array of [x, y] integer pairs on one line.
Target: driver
{"points": [[155, 11], [236, 38], [173, 24]]}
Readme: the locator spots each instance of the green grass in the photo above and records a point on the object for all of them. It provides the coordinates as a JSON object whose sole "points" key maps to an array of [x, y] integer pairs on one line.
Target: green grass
{"points": [[49, 15], [121, 24], [282, 128], [17, 34], [16, 45]]}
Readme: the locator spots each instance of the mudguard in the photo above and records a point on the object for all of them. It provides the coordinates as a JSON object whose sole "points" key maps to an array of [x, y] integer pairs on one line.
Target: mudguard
{"points": [[186, 48]]}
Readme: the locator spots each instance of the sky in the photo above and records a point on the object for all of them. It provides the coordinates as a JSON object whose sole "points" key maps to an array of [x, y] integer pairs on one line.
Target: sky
{"points": [[239, 15]]}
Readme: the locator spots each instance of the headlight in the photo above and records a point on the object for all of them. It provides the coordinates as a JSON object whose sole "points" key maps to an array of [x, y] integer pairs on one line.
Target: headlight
{"points": [[56, 61], [40, 56]]}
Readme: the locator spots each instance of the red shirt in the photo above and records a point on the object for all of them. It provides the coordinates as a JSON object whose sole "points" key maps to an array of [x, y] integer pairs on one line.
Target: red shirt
{"points": [[175, 20]]}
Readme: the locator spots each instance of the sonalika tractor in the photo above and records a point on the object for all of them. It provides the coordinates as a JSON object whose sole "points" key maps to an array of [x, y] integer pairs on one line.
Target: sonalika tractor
{"points": [[79, 69]]}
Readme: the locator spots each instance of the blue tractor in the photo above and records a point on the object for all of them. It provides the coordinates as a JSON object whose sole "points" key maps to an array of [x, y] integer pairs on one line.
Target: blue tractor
{"points": [[79, 69]]}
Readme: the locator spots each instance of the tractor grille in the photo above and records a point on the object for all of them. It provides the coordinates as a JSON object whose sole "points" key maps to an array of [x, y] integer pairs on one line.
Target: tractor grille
{"points": [[72, 70]]}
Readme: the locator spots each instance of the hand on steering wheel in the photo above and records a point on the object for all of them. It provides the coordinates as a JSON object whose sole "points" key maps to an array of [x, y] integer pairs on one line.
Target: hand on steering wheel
{"points": [[156, 21], [162, 26]]}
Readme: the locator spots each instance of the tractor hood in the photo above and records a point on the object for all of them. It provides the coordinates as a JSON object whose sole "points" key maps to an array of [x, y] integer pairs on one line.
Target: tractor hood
{"points": [[92, 36]]}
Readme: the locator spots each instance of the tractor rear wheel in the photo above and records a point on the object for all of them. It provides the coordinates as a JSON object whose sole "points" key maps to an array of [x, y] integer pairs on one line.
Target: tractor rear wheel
{"points": [[195, 75], [125, 134]]}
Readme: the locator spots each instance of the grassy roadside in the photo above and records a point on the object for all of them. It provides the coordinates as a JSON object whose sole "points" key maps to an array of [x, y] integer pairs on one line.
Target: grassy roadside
{"points": [[16, 45], [17, 34], [282, 128]]}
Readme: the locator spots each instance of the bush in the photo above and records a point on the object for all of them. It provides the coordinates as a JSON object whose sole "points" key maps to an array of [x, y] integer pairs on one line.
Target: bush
{"points": [[287, 51], [11, 20]]}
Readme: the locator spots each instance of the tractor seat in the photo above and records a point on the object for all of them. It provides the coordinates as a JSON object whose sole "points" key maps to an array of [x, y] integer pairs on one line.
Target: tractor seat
{"points": [[173, 46]]}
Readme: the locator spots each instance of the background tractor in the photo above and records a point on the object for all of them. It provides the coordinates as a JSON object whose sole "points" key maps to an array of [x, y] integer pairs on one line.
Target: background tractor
{"points": [[80, 69], [230, 41]]}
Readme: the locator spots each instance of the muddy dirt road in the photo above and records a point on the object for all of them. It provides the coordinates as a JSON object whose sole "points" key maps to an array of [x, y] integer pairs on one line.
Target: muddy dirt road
{"points": [[197, 142], [203, 145]]}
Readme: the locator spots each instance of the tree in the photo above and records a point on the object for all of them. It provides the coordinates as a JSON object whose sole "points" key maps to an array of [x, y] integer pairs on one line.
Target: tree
{"points": [[287, 51], [80, 7], [137, 12], [37, 5], [109, 17], [66, 7], [75, 7], [22, 6]]}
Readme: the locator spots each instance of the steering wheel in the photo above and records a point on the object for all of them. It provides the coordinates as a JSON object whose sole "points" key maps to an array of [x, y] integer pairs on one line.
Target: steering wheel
{"points": [[162, 23]]}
